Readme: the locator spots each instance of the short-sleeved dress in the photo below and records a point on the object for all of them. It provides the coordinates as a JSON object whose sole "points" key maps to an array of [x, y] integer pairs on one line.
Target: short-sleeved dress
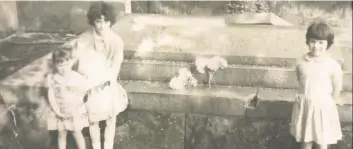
{"points": [[99, 60], [67, 90], [314, 116]]}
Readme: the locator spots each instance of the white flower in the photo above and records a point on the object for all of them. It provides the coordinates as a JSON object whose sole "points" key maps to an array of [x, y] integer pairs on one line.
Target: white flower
{"points": [[221, 62], [216, 63], [184, 79], [175, 83], [201, 63], [192, 82], [212, 64]]}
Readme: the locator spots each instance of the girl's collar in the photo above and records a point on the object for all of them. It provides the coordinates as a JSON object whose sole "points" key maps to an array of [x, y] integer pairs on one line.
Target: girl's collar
{"points": [[309, 58], [98, 37]]}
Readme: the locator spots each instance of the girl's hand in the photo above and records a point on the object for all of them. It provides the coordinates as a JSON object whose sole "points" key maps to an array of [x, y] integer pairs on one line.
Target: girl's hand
{"points": [[64, 116]]}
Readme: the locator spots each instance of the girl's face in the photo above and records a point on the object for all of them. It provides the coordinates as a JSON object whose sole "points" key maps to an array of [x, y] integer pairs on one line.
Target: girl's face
{"points": [[63, 66], [317, 47], [101, 25]]}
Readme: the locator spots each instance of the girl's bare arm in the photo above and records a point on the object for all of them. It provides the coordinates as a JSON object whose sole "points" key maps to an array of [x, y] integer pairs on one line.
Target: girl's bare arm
{"points": [[117, 59], [53, 104], [337, 78]]}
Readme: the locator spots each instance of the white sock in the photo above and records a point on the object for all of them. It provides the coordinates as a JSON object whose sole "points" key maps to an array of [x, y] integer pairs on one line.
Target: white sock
{"points": [[96, 145], [108, 144]]}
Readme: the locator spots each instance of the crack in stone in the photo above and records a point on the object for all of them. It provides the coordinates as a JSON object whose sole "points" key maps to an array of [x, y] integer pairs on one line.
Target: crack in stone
{"points": [[253, 102], [11, 110]]}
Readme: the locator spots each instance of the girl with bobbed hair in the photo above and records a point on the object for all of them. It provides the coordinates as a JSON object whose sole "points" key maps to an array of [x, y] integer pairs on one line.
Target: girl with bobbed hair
{"points": [[99, 54]]}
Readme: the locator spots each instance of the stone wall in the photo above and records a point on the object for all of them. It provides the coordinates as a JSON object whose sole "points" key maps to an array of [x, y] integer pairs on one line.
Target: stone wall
{"points": [[56, 16], [138, 129], [69, 16], [217, 7], [8, 18]]}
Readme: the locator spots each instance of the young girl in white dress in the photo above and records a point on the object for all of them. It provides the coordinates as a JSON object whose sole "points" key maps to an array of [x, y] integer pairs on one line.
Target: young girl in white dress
{"points": [[315, 118], [100, 52], [66, 90]]}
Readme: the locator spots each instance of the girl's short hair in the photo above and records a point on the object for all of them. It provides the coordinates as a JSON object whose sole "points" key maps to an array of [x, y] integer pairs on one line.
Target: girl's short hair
{"points": [[61, 54], [98, 9], [320, 30]]}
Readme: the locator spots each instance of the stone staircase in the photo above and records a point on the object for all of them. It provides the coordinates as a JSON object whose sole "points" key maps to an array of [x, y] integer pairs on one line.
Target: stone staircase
{"points": [[196, 118]]}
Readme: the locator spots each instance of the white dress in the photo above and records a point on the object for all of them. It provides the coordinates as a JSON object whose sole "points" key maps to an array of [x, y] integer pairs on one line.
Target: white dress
{"points": [[67, 90], [314, 116], [99, 64]]}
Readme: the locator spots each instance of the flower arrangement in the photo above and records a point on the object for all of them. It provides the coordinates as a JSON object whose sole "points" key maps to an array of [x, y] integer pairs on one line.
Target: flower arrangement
{"points": [[183, 80], [211, 65]]}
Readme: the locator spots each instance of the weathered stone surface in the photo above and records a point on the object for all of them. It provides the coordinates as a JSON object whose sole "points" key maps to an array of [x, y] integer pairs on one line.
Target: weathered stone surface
{"points": [[346, 142], [150, 130], [251, 76], [8, 18], [183, 36], [16, 56], [33, 39], [200, 100], [30, 109], [210, 132], [56, 16], [45, 16], [345, 112]]}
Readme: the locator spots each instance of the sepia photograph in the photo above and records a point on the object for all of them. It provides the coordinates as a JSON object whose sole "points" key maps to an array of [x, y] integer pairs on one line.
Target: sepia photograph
{"points": [[175, 74]]}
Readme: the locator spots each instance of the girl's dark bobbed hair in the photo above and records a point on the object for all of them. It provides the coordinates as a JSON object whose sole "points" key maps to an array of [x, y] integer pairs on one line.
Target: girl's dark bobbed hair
{"points": [[98, 9], [320, 30]]}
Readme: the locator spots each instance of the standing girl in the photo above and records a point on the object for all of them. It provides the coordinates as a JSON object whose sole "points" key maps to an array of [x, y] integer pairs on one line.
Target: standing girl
{"points": [[315, 117], [99, 53], [65, 93]]}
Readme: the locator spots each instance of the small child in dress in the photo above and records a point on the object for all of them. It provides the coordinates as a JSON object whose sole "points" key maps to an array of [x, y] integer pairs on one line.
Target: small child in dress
{"points": [[314, 117], [66, 90]]}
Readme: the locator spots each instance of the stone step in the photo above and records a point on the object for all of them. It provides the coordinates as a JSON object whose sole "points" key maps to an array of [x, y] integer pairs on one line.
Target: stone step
{"points": [[231, 59], [221, 100], [238, 75], [137, 45], [48, 45], [272, 77]]}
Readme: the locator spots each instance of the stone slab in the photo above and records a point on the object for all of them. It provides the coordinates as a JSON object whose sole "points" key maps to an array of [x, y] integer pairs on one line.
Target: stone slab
{"points": [[150, 130], [165, 53], [276, 104], [8, 18], [256, 18], [202, 100], [250, 40], [210, 132], [224, 100], [15, 57], [56, 16], [18, 43], [234, 75]]}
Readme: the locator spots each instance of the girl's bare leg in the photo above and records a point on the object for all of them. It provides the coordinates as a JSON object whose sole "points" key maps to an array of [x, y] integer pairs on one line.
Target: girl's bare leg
{"points": [[306, 145], [109, 133], [94, 132], [79, 139], [62, 134]]}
